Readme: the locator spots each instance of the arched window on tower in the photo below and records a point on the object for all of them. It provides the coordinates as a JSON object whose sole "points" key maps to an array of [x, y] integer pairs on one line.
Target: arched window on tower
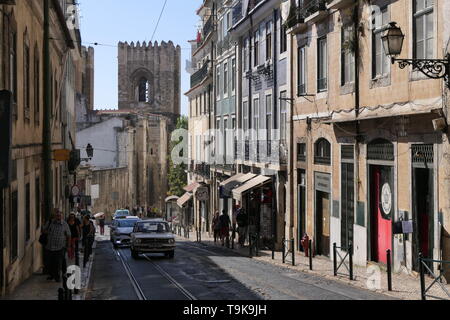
{"points": [[143, 90]]}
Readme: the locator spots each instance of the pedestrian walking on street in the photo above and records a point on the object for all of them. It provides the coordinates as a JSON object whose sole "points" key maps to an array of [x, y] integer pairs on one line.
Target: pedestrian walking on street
{"points": [[75, 234], [58, 240], [43, 239], [88, 230], [224, 222], [242, 221], [101, 223], [216, 226]]}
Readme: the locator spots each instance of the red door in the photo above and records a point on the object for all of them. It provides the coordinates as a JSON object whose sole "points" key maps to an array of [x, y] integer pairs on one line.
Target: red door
{"points": [[382, 223]]}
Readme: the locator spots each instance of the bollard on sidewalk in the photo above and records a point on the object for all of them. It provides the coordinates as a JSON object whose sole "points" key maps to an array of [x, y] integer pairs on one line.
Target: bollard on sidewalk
{"points": [[389, 269]]}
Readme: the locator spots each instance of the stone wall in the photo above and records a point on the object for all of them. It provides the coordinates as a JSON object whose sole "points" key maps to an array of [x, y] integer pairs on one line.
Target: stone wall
{"points": [[113, 190]]}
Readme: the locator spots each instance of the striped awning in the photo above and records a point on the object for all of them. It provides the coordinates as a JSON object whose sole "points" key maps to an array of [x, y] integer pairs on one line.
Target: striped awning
{"points": [[235, 181], [192, 187], [172, 198], [254, 183], [184, 199]]}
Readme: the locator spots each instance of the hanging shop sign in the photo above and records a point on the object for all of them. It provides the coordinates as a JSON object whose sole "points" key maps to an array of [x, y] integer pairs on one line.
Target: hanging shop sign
{"points": [[202, 194], [75, 191], [386, 199], [61, 155]]}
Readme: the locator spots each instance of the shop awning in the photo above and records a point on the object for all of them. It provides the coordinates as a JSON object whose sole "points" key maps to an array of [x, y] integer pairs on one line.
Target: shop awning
{"points": [[254, 183], [192, 187], [235, 181], [172, 198], [184, 199]]}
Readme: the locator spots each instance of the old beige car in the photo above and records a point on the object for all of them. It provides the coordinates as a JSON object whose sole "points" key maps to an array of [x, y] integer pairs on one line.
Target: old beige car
{"points": [[152, 236]]}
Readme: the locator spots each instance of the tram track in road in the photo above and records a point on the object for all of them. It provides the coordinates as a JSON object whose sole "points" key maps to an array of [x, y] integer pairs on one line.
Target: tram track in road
{"points": [[138, 286]]}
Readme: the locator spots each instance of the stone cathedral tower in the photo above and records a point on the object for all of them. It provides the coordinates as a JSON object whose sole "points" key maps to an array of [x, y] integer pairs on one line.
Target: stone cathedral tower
{"points": [[149, 91], [149, 78]]}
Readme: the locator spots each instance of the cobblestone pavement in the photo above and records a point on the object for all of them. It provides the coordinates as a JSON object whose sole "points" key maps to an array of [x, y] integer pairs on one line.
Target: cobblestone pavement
{"points": [[406, 285]]}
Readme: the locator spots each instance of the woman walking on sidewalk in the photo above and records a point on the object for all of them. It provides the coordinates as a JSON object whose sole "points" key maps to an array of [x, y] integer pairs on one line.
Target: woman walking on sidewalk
{"points": [[75, 230], [224, 222], [216, 226], [88, 229]]}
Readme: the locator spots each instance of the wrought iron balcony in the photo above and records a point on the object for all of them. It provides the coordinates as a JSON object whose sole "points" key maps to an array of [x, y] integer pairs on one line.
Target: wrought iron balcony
{"points": [[306, 8], [200, 75], [203, 170], [208, 27], [309, 7], [237, 12]]}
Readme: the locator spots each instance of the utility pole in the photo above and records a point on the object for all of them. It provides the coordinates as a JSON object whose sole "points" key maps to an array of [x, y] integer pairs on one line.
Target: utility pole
{"points": [[47, 134]]}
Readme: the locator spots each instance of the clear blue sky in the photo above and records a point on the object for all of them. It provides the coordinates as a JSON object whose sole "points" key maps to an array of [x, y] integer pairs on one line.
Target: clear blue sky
{"points": [[110, 21]]}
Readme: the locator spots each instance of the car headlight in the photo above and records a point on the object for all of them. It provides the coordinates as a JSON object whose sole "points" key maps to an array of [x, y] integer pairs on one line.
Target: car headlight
{"points": [[171, 241]]}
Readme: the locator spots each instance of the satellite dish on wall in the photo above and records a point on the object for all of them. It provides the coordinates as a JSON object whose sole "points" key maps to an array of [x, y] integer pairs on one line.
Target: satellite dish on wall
{"points": [[285, 8]]}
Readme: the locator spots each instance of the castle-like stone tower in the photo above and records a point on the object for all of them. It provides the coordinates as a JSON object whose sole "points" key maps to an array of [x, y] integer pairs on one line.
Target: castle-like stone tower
{"points": [[149, 78]]}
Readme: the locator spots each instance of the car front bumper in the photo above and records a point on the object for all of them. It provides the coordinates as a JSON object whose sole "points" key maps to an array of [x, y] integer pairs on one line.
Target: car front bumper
{"points": [[153, 249]]}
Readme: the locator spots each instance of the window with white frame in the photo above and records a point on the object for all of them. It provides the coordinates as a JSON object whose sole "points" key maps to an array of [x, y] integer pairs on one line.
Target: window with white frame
{"points": [[256, 118], [301, 85], [380, 61], [225, 78], [283, 117], [245, 119], [269, 123], [225, 138], [218, 81], [233, 75], [245, 56], [347, 55], [256, 49], [269, 40], [322, 64], [423, 29], [283, 37]]}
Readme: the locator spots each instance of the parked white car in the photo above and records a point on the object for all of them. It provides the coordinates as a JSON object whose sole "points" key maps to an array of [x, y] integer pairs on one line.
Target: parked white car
{"points": [[152, 236], [121, 229]]}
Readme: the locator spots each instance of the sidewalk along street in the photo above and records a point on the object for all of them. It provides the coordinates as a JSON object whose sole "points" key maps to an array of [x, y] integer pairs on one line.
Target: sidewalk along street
{"points": [[37, 287], [405, 286]]}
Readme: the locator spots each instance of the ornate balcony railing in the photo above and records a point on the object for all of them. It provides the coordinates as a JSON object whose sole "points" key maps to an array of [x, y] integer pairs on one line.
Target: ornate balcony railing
{"points": [[237, 12], [208, 27], [299, 13], [203, 170], [200, 75]]}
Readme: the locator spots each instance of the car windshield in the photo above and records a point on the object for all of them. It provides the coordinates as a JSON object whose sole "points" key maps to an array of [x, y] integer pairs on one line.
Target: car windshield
{"points": [[127, 223], [152, 227], [122, 213]]}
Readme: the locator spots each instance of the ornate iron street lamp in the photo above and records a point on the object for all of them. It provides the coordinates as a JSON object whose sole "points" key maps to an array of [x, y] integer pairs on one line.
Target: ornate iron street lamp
{"points": [[90, 151], [433, 68]]}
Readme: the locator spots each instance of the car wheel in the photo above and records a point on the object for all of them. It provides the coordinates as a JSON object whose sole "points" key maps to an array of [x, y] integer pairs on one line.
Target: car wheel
{"points": [[171, 254], [134, 254]]}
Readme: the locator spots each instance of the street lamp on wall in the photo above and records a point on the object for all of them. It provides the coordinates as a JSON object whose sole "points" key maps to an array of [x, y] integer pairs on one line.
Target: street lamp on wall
{"points": [[433, 68], [90, 151]]}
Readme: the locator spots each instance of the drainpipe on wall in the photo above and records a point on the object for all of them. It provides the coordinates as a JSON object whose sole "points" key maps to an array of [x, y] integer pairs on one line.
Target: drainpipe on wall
{"points": [[47, 136], [275, 103], [357, 106], [291, 142]]}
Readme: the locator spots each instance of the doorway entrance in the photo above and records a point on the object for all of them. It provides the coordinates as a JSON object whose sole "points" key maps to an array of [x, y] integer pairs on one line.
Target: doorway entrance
{"points": [[382, 208], [323, 211], [423, 202], [301, 203]]}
